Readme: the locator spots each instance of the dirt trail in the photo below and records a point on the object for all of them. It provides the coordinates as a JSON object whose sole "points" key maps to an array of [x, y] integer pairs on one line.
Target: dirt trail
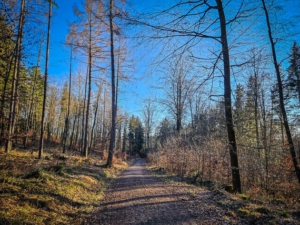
{"points": [[138, 198]]}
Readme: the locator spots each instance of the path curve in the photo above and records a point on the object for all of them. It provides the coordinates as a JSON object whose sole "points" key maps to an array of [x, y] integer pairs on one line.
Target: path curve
{"points": [[138, 198]]}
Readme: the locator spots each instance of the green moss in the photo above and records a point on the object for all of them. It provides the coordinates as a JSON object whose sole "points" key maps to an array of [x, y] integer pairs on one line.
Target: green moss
{"points": [[256, 215], [278, 201], [44, 192], [243, 196], [244, 211], [229, 188], [192, 193], [284, 214]]}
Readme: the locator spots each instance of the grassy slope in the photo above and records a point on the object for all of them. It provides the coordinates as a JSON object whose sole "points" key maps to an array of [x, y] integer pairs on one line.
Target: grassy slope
{"points": [[54, 190]]}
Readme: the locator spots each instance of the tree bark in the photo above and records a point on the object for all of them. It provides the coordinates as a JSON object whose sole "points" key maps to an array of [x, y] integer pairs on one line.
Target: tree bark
{"points": [[236, 182], [41, 148], [3, 98], [113, 89], [86, 136], [281, 98], [95, 117], [83, 115], [68, 110], [15, 81]]}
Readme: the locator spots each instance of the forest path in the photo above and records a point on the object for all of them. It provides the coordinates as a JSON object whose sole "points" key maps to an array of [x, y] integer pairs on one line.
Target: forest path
{"points": [[137, 198]]}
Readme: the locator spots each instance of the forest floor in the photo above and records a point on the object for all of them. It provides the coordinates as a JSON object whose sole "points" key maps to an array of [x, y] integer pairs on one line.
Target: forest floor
{"points": [[139, 197], [68, 189], [58, 189]]}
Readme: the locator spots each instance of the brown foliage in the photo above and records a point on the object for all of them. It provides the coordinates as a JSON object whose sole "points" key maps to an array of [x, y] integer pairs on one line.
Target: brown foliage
{"points": [[207, 163]]}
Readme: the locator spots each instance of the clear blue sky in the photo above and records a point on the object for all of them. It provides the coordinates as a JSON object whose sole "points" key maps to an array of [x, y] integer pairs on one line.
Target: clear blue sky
{"points": [[59, 55], [136, 90]]}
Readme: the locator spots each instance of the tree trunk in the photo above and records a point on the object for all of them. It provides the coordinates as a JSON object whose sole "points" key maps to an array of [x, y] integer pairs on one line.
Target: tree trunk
{"points": [[86, 136], [113, 90], [72, 133], [95, 117], [83, 115], [41, 148], [3, 98], [124, 140], [32, 97], [68, 110], [15, 81], [256, 108], [281, 98], [236, 182], [264, 137]]}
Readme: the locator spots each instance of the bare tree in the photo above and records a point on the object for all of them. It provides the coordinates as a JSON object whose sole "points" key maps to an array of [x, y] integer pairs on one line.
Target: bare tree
{"points": [[15, 81], [280, 92], [41, 147], [227, 99], [85, 148], [149, 110], [113, 89], [65, 138], [178, 84]]}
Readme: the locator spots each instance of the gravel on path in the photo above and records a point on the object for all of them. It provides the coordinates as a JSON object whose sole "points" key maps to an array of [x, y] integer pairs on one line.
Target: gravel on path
{"points": [[137, 198]]}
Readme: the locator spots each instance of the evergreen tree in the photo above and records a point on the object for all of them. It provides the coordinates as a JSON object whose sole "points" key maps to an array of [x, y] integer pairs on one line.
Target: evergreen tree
{"points": [[139, 137], [165, 131], [251, 112], [135, 136], [294, 72], [239, 108]]}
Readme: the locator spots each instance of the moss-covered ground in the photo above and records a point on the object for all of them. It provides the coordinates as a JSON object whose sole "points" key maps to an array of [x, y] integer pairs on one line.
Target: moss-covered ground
{"points": [[59, 189]]}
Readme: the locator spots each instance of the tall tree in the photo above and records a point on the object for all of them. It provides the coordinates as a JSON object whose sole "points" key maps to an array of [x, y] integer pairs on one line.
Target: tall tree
{"points": [[68, 109], [16, 77], [227, 99], [294, 70], [178, 85], [280, 92], [7, 46], [41, 147], [239, 108], [85, 148], [148, 117], [113, 88], [35, 86]]}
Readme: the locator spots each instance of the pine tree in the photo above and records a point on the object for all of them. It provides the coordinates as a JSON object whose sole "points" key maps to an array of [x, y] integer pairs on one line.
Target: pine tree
{"points": [[239, 108], [294, 71], [6, 59], [139, 137]]}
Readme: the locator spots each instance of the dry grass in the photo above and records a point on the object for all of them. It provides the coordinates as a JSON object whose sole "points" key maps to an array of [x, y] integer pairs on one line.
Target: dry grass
{"points": [[238, 208], [56, 190]]}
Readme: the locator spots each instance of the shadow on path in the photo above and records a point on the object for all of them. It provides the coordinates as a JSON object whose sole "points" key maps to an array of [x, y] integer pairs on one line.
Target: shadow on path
{"points": [[138, 198]]}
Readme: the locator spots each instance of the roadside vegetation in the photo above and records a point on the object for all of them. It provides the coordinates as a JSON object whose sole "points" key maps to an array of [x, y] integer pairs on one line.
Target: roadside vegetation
{"points": [[60, 189]]}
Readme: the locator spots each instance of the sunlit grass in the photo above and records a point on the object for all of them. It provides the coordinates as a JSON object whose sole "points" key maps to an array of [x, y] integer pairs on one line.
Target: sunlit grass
{"points": [[51, 191]]}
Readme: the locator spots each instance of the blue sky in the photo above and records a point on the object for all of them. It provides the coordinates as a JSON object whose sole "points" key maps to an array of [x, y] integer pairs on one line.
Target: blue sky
{"points": [[59, 54], [136, 90], [131, 99]]}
